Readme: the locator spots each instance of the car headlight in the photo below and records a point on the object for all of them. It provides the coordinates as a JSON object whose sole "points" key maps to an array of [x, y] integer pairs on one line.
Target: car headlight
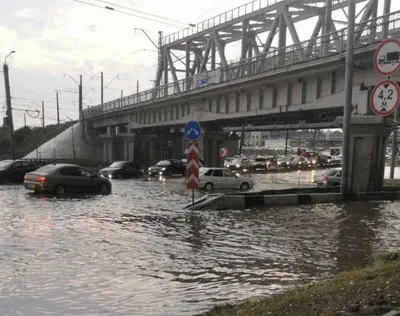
{"points": [[110, 176], [163, 169], [237, 166]]}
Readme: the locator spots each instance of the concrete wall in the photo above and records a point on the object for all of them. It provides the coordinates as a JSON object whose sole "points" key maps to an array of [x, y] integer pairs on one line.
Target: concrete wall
{"points": [[62, 147]]}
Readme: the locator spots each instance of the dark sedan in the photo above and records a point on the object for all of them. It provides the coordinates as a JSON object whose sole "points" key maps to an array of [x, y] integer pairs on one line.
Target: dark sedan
{"points": [[122, 170], [168, 167], [13, 171], [62, 178]]}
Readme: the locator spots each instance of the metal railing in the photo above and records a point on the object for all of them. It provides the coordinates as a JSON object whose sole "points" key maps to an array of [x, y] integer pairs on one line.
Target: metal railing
{"points": [[304, 52], [227, 16]]}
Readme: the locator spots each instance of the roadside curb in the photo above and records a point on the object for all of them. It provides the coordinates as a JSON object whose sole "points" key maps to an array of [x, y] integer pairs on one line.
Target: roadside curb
{"points": [[238, 201]]}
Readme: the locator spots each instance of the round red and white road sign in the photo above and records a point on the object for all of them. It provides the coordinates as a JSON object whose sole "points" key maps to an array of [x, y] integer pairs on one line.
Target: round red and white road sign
{"points": [[385, 98], [387, 57]]}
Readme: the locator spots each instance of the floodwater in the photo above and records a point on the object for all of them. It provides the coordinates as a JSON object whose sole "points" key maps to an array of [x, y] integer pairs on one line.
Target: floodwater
{"points": [[137, 252]]}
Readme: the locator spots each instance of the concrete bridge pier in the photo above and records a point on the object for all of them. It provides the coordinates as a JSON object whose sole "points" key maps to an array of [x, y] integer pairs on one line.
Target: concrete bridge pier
{"points": [[145, 150], [211, 143], [369, 138], [128, 141], [108, 149]]}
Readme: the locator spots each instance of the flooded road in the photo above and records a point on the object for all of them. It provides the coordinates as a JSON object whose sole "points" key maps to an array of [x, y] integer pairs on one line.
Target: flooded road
{"points": [[136, 252]]}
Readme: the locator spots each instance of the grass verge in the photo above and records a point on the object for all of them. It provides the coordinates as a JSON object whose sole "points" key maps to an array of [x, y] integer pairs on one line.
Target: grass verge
{"points": [[368, 292]]}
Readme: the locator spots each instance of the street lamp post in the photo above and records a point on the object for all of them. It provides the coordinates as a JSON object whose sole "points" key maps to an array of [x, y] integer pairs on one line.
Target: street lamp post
{"points": [[10, 122]]}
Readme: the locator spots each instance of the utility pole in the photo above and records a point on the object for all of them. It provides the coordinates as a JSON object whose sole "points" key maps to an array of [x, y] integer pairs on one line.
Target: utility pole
{"points": [[348, 85], [24, 120], [394, 144], [58, 110], [137, 86], [43, 115], [102, 89], [80, 97], [9, 109], [122, 94]]}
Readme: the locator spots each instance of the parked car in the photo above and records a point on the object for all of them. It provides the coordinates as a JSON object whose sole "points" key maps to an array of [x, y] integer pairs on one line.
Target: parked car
{"points": [[62, 178], [242, 164], [334, 161], [168, 167], [330, 177], [228, 161], [223, 178], [260, 164], [300, 162], [122, 170], [284, 163], [13, 171]]}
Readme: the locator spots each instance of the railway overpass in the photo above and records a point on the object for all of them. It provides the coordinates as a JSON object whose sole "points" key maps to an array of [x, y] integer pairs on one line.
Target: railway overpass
{"points": [[287, 87]]}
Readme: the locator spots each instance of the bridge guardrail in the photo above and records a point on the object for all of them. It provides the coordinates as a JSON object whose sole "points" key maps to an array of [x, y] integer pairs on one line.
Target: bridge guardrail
{"points": [[367, 33]]}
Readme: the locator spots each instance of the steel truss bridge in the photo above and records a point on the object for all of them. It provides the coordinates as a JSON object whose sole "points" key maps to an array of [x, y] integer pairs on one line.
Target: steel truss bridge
{"points": [[198, 53]]}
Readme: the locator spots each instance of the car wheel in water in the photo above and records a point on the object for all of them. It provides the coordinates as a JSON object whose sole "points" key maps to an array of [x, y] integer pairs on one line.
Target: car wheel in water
{"points": [[170, 174], [119, 176], [4, 180], [103, 189], [60, 189], [209, 186], [244, 186]]}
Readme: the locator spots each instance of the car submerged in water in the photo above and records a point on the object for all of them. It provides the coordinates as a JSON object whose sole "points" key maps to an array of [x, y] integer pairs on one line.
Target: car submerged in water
{"points": [[169, 167], [122, 170], [13, 171], [66, 178]]}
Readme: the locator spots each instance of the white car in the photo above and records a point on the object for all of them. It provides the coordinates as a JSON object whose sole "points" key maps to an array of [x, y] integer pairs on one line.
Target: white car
{"points": [[223, 178]]}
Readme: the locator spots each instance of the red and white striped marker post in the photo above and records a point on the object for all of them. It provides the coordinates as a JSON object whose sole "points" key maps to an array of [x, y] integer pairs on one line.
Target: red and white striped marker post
{"points": [[192, 172]]}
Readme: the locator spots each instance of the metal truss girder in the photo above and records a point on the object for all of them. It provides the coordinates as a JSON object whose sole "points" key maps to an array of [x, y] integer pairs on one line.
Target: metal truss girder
{"points": [[271, 34], [302, 15], [205, 56], [254, 14], [220, 48], [314, 34], [172, 69], [255, 46], [368, 12], [315, 10], [293, 32]]}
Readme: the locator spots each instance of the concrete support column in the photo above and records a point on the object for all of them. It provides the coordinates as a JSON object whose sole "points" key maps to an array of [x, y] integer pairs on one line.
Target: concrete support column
{"points": [[213, 142], [369, 138], [129, 146], [108, 149]]}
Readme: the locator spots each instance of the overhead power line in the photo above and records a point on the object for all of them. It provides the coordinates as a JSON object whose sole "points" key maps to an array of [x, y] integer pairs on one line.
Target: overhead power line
{"points": [[127, 13], [142, 12]]}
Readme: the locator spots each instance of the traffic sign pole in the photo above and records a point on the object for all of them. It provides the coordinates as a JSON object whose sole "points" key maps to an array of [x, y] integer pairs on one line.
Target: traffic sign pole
{"points": [[386, 94]]}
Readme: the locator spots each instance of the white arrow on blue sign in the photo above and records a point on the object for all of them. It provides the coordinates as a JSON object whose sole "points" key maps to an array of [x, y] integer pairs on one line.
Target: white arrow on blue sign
{"points": [[192, 130]]}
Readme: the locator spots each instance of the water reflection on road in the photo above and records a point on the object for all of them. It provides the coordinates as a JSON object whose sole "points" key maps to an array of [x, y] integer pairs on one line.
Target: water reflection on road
{"points": [[136, 252]]}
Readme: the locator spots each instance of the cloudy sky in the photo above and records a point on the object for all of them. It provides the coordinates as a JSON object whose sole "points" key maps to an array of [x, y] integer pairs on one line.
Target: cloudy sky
{"points": [[56, 37]]}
